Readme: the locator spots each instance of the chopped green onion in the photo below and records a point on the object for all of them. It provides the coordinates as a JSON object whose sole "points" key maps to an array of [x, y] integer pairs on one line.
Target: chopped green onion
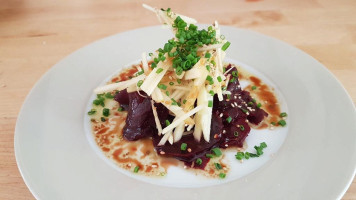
{"points": [[140, 72], [103, 119], [159, 70], [273, 123], [184, 101], [139, 83], [240, 155], [211, 92], [219, 79], [167, 122], [282, 122], [283, 114], [120, 109], [106, 112], [208, 155], [171, 83], [199, 161], [247, 155], [242, 127], [207, 55], [167, 93], [218, 166], [234, 74], [183, 146], [236, 133], [210, 104], [253, 87], [213, 62], [162, 86], [208, 68], [109, 95], [92, 112], [136, 169], [222, 175], [225, 46], [216, 151], [229, 119], [179, 81], [259, 105]]}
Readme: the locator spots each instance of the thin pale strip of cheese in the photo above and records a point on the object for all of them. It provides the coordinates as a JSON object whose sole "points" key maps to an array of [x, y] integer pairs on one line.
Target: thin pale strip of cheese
{"points": [[178, 111], [165, 138], [144, 62], [197, 130], [153, 78], [158, 123], [178, 132], [181, 119], [119, 86]]}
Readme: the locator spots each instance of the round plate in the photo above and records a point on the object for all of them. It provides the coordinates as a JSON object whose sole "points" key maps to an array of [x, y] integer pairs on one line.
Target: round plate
{"points": [[316, 161]]}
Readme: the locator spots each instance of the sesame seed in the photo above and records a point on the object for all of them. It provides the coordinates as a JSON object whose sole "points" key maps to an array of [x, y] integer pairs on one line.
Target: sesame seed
{"points": [[239, 97], [247, 113], [226, 145], [246, 120], [129, 164], [232, 105], [224, 131], [238, 126], [189, 150], [216, 136], [162, 152], [235, 104], [221, 115]]}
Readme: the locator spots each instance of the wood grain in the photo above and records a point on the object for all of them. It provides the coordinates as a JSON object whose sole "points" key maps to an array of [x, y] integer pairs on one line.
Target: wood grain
{"points": [[34, 35]]}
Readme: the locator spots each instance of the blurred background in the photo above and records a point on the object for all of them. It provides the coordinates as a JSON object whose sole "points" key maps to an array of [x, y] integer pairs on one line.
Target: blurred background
{"points": [[34, 35]]}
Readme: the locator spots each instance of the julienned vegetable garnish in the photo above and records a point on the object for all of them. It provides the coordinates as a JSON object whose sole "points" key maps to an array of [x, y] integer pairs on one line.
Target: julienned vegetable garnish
{"points": [[184, 100]]}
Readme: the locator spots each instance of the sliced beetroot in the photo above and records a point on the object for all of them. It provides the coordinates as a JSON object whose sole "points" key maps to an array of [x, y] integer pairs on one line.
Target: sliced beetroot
{"points": [[123, 98], [235, 133], [140, 121], [194, 149]]}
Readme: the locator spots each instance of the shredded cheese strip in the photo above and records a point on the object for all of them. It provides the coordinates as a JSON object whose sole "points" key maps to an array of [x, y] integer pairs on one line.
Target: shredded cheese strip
{"points": [[158, 123], [119, 86], [178, 132], [154, 78], [144, 62], [165, 138], [181, 119]]}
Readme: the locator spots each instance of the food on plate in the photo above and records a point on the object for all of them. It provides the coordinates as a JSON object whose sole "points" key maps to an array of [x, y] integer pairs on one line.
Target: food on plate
{"points": [[182, 105]]}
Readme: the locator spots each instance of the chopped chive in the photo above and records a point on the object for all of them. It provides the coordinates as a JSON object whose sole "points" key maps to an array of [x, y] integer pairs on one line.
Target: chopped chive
{"points": [[103, 119], [139, 83], [209, 78], [282, 122], [223, 88], [244, 110], [167, 122], [228, 96], [224, 69], [179, 81], [183, 146], [229, 119], [240, 155], [167, 93], [218, 166], [259, 105], [106, 112], [210, 104], [120, 109], [92, 112], [140, 72], [283, 114], [171, 83], [211, 92], [254, 100], [236, 133], [208, 68], [253, 87], [150, 54], [136, 169], [247, 155], [216, 151], [209, 155], [234, 74], [109, 95], [242, 127], [159, 70], [207, 55], [198, 161], [184, 101], [263, 145], [162, 86], [225, 46], [273, 123], [219, 79], [153, 65], [222, 175]]}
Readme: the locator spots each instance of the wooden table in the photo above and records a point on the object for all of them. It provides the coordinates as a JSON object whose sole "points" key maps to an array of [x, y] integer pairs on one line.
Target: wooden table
{"points": [[34, 35]]}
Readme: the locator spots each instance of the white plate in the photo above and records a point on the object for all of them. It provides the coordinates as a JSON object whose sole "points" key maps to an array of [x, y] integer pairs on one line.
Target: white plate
{"points": [[316, 161]]}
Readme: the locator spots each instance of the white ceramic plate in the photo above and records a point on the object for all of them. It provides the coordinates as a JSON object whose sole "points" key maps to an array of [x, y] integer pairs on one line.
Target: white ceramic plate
{"points": [[316, 161]]}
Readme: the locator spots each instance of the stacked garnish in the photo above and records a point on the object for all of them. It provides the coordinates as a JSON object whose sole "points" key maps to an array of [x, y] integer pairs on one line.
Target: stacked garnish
{"points": [[183, 76]]}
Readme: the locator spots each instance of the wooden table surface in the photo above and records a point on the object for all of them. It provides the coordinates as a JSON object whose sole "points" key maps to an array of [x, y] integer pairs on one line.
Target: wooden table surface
{"points": [[34, 35]]}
